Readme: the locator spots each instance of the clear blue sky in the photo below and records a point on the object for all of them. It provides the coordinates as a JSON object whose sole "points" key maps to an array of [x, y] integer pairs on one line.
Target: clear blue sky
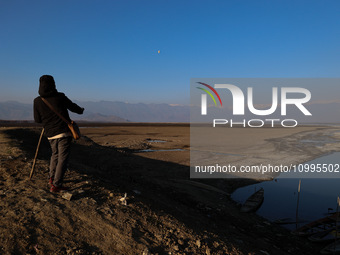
{"points": [[108, 50]]}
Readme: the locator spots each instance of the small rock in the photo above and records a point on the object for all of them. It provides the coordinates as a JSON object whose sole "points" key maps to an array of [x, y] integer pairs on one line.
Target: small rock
{"points": [[180, 242], [107, 210], [67, 196], [176, 248], [207, 251], [123, 199], [198, 243]]}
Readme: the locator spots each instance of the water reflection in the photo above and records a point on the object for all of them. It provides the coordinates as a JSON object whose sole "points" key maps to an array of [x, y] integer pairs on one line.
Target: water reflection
{"points": [[318, 196]]}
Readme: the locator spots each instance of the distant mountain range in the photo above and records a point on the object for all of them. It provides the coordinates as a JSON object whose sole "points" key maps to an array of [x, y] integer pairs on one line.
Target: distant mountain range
{"points": [[322, 113], [106, 111]]}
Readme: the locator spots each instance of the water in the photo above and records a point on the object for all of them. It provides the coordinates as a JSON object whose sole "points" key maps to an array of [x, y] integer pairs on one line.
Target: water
{"points": [[153, 150], [158, 141], [219, 153], [155, 141], [317, 197]]}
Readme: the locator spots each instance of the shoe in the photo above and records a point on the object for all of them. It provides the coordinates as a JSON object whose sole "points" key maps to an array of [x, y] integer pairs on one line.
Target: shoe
{"points": [[55, 189], [51, 181]]}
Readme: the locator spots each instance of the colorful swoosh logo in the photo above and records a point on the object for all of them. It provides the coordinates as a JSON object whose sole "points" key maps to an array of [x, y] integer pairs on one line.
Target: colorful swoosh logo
{"points": [[209, 93]]}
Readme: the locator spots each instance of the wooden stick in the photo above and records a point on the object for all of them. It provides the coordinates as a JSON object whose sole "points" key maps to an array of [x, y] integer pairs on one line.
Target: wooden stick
{"points": [[337, 219], [36, 153], [297, 204]]}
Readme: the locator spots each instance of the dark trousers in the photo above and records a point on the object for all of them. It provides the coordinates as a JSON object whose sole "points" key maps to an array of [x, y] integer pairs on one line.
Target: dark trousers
{"points": [[59, 159]]}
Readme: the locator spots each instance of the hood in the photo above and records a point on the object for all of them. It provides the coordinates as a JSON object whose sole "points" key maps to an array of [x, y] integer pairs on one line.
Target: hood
{"points": [[47, 86]]}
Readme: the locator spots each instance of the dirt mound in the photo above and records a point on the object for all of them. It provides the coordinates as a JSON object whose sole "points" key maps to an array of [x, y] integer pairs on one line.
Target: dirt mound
{"points": [[163, 213]]}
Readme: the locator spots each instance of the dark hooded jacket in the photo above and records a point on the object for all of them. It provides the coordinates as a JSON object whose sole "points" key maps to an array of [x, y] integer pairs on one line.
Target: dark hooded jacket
{"points": [[51, 122]]}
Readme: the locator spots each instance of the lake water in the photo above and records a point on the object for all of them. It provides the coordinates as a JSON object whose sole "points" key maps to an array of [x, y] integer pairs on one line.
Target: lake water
{"points": [[317, 196], [166, 150]]}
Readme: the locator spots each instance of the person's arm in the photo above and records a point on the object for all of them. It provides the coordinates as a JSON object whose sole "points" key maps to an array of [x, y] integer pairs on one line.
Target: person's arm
{"points": [[37, 116], [73, 107]]}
